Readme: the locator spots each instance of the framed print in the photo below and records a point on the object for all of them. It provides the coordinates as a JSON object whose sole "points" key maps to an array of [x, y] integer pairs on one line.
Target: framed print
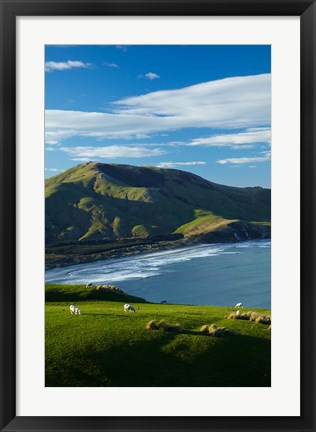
{"points": [[157, 208]]}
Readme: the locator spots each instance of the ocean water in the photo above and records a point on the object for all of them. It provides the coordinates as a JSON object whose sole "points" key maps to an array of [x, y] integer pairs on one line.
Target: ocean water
{"points": [[221, 274]]}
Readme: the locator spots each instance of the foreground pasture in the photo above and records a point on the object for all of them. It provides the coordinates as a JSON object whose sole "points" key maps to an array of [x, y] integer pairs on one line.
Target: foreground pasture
{"points": [[107, 347]]}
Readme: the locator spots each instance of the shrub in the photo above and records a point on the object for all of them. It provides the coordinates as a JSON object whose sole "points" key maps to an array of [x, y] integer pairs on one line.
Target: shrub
{"points": [[263, 319], [169, 327], [251, 316], [254, 316], [163, 325], [213, 330], [151, 325], [204, 329], [243, 316], [109, 288]]}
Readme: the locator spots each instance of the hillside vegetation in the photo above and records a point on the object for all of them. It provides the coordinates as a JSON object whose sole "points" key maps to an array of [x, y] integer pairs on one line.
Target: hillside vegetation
{"points": [[107, 202], [107, 347]]}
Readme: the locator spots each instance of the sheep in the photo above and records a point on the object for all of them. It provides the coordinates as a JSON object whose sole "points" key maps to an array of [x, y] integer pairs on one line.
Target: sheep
{"points": [[74, 310], [129, 308], [89, 285], [239, 305], [238, 312]]}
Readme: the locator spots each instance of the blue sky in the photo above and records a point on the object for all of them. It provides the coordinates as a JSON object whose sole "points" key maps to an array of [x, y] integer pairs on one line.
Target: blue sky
{"points": [[204, 109]]}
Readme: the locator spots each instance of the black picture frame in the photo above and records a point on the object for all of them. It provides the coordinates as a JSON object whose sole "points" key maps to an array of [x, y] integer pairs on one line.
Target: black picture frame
{"points": [[10, 9]]}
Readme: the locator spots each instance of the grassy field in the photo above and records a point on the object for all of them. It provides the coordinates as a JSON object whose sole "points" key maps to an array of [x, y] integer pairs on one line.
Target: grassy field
{"points": [[107, 347]]}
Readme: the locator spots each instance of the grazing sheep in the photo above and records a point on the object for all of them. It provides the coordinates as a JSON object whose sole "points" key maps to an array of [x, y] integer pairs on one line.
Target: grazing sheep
{"points": [[129, 308], [74, 310], [239, 305], [89, 285]]}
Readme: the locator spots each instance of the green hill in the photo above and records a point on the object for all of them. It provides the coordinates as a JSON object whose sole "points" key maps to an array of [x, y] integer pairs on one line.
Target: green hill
{"points": [[107, 347], [96, 202]]}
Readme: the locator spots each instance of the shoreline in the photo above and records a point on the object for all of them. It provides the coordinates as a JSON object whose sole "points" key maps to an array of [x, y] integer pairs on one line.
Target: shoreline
{"points": [[122, 252], [195, 275], [234, 233]]}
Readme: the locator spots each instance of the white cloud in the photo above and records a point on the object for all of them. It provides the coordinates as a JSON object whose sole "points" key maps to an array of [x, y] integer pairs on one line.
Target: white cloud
{"points": [[141, 136], [151, 76], [70, 64], [111, 152], [246, 160], [243, 147], [51, 142], [176, 164], [81, 159], [236, 139], [111, 65], [53, 169], [235, 103]]}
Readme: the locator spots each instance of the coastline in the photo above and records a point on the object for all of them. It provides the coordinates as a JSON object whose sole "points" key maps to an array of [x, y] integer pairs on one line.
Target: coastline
{"points": [[232, 233]]}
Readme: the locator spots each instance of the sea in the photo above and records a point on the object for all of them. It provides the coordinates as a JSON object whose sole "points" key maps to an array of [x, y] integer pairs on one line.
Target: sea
{"points": [[206, 274]]}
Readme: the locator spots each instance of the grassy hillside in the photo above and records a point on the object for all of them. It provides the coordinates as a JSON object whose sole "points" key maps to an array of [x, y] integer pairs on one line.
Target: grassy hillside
{"points": [[79, 293], [203, 222], [97, 202], [107, 347]]}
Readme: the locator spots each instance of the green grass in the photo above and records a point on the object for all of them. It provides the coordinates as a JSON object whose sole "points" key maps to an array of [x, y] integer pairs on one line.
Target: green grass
{"points": [[203, 223], [96, 201], [107, 347], [76, 293]]}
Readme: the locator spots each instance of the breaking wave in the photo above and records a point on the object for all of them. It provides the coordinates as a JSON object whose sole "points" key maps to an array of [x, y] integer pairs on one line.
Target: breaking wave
{"points": [[143, 266]]}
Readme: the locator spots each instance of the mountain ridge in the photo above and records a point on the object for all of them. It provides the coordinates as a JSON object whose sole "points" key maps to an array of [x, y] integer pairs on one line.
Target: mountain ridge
{"points": [[95, 202]]}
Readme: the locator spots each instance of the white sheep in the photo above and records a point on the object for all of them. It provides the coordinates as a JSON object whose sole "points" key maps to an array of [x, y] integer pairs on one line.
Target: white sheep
{"points": [[129, 308], [74, 310], [77, 311], [238, 313], [239, 305]]}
